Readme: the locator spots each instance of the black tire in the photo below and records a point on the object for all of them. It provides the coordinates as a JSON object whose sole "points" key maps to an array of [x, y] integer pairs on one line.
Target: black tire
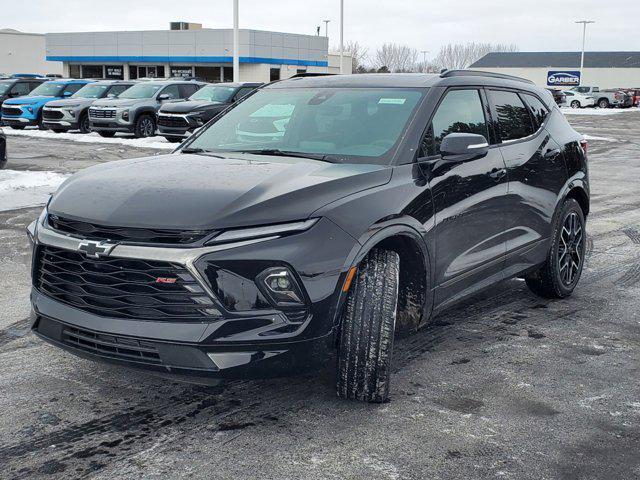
{"points": [[83, 123], [145, 126], [17, 127], [368, 325], [575, 104], [603, 103], [174, 139], [106, 134], [41, 125], [561, 272]]}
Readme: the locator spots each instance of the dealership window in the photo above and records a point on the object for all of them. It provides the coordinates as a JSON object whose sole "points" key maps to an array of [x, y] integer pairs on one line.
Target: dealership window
{"points": [[227, 74], [146, 71], [181, 72], [92, 71], [74, 71], [274, 74], [459, 112], [208, 74], [301, 70], [114, 72], [513, 118]]}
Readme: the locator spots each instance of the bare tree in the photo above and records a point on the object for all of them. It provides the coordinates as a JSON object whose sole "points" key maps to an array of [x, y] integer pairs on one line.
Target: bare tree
{"points": [[397, 58], [358, 54], [459, 56]]}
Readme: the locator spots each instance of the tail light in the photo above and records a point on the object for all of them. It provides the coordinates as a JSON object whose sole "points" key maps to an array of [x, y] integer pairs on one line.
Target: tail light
{"points": [[585, 146]]}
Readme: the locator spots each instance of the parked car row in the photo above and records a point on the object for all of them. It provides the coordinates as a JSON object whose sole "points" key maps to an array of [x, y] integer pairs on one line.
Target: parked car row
{"points": [[581, 97], [142, 108]]}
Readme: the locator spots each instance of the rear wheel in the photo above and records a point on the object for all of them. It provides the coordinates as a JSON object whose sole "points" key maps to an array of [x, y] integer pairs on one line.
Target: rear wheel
{"points": [[83, 123], [106, 134], [145, 126], [560, 273], [603, 103], [40, 124], [575, 104], [368, 325]]}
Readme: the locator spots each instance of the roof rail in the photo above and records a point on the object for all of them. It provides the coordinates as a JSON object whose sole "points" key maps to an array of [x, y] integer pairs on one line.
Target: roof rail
{"points": [[479, 73]]}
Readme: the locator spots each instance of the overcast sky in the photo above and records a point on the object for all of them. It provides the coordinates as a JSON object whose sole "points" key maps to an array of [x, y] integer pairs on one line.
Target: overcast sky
{"points": [[423, 24]]}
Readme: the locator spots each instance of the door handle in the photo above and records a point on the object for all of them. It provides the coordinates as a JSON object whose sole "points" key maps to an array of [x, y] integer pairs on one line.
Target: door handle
{"points": [[497, 173], [552, 153]]}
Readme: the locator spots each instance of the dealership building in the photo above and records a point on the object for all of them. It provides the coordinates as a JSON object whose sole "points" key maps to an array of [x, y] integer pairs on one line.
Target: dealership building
{"points": [[601, 69], [189, 50], [22, 52]]}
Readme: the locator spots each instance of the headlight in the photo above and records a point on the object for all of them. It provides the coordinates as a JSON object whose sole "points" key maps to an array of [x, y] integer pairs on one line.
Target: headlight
{"points": [[125, 115], [197, 117], [30, 109], [32, 229], [267, 231], [70, 111]]}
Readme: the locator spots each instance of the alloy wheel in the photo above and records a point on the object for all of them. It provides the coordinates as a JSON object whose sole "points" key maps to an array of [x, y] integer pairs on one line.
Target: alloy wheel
{"points": [[146, 127], [571, 248]]}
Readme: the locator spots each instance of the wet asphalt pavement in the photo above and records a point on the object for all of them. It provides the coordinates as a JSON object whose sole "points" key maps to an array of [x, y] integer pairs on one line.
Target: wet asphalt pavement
{"points": [[506, 386]]}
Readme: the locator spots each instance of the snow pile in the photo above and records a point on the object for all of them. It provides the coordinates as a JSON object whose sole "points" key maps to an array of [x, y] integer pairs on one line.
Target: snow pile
{"points": [[598, 111], [19, 189], [149, 142]]}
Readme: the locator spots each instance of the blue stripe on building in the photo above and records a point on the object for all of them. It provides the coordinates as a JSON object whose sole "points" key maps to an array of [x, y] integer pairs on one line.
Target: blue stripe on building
{"points": [[186, 59]]}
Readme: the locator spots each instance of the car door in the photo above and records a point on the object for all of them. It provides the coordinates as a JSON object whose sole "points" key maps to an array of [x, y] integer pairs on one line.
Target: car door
{"points": [[536, 172], [468, 199]]}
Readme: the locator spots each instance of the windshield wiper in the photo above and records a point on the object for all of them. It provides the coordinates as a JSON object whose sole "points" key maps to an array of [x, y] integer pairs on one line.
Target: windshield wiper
{"points": [[288, 153], [200, 151]]}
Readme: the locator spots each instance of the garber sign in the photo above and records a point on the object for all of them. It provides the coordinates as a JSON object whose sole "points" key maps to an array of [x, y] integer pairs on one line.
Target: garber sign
{"points": [[563, 79]]}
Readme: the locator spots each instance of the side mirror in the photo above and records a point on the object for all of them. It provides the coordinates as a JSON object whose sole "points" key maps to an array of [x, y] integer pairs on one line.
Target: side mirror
{"points": [[67, 94], [459, 147], [165, 96]]}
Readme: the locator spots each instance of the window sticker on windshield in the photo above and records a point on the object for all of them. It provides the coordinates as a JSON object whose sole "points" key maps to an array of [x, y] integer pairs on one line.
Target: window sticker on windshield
{"points": [[392, 101]]}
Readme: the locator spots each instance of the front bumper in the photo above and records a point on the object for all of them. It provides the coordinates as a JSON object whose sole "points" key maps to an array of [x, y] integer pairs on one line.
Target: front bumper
{"points": [[109, 126], [19, 121], [248, 342], [68, 121], [177, 124]]}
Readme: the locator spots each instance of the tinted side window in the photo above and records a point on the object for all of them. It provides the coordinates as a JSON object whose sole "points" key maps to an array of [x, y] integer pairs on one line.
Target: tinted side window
{"points": [[188, 90], [73, 87], [459, 112], [513, 118], [20, 88], [117, 89], [242, 92], [172, 90], [34, 85], [539, 110]]}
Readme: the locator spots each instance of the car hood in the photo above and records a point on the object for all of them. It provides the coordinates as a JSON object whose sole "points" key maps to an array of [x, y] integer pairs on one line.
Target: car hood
{"points": [[121, 102], [181, 191], [29, 100], [71, 101], [191, 106]]}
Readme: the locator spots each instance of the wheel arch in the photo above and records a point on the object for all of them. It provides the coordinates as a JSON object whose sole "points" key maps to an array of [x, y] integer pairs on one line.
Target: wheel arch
{"points": [[415, 300], [579, 194]]}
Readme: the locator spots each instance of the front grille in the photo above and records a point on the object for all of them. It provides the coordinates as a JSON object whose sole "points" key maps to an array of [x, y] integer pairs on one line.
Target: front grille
{"points": [[122, 348], [92, 231], [51, 114], [99, 113], [122, 288], [11, 111], [172, 121]]}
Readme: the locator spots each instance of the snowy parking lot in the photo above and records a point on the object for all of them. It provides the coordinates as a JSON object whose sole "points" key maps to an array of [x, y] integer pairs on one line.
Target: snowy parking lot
{"points": [[507, 385]]}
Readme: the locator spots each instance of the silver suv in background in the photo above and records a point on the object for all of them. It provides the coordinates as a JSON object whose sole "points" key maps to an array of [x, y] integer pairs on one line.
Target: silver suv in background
{"points": [[73, 113], [135, 110]]}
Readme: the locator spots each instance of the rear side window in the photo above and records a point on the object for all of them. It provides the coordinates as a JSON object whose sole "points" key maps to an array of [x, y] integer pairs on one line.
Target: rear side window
{"points": [[514, 120], [172, 90], [539, 110], [117, 89], [459, 112], [188, 90], [20, 88]]}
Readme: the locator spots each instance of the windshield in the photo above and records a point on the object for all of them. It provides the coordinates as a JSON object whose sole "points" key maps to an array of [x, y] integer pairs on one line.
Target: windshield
{"points": [[141, 90], [213, 93], [4, 87], [359, 125], [90, 91], [47, 89]]}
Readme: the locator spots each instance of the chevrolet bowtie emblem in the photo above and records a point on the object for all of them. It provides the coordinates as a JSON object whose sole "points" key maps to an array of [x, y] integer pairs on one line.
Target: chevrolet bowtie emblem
{"points": [[95, 249]]}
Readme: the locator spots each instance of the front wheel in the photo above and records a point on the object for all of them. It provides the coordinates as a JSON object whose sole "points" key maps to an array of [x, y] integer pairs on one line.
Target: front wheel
{"points": [[575, 104], [145, 126], [368, 326], [560, 273], [603, 103], [83, 123]]}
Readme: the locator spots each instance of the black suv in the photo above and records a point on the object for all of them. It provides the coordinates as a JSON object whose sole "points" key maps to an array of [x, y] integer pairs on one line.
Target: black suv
{"points": [[319, 213], [177, 120], [18, 87]]}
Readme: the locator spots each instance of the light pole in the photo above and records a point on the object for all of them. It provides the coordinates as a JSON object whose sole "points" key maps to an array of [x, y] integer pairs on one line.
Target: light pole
{"points": [[236, 44], [326, 28], [341, 35], [584, 34]]}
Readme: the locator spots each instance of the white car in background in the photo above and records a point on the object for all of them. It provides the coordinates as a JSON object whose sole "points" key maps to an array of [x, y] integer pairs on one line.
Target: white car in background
{"points": [[579, 100]]}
